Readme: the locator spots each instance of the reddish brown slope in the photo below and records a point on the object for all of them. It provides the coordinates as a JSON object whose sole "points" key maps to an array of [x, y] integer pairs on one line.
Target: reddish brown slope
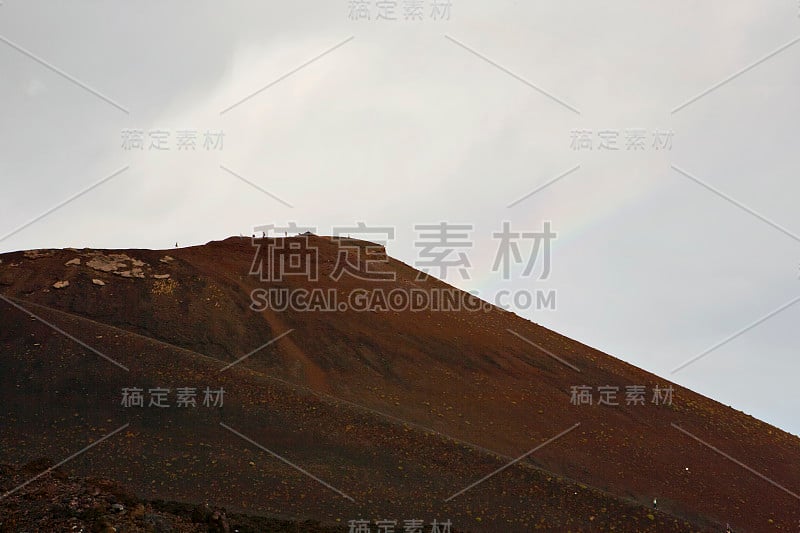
{"points": [[461, 373], [60, 397]]}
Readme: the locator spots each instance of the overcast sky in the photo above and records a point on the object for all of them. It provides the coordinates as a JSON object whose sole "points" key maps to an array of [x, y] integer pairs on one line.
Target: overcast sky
{"points": [[681, 238]]}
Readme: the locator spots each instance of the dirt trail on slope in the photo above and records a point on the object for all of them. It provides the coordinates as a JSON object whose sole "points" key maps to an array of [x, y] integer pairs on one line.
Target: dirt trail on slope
{"points": [[292, 356]]}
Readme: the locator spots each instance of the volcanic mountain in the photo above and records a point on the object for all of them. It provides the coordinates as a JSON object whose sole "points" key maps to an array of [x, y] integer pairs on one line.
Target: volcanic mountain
{"points": [[377, 411]]}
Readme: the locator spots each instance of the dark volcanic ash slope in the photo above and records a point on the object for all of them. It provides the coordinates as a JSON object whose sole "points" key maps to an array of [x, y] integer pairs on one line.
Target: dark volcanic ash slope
{"points": [[467, 375]]}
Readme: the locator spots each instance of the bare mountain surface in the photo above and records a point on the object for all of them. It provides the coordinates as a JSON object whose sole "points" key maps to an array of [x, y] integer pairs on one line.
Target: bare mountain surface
{"points": [[395, 411]]}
